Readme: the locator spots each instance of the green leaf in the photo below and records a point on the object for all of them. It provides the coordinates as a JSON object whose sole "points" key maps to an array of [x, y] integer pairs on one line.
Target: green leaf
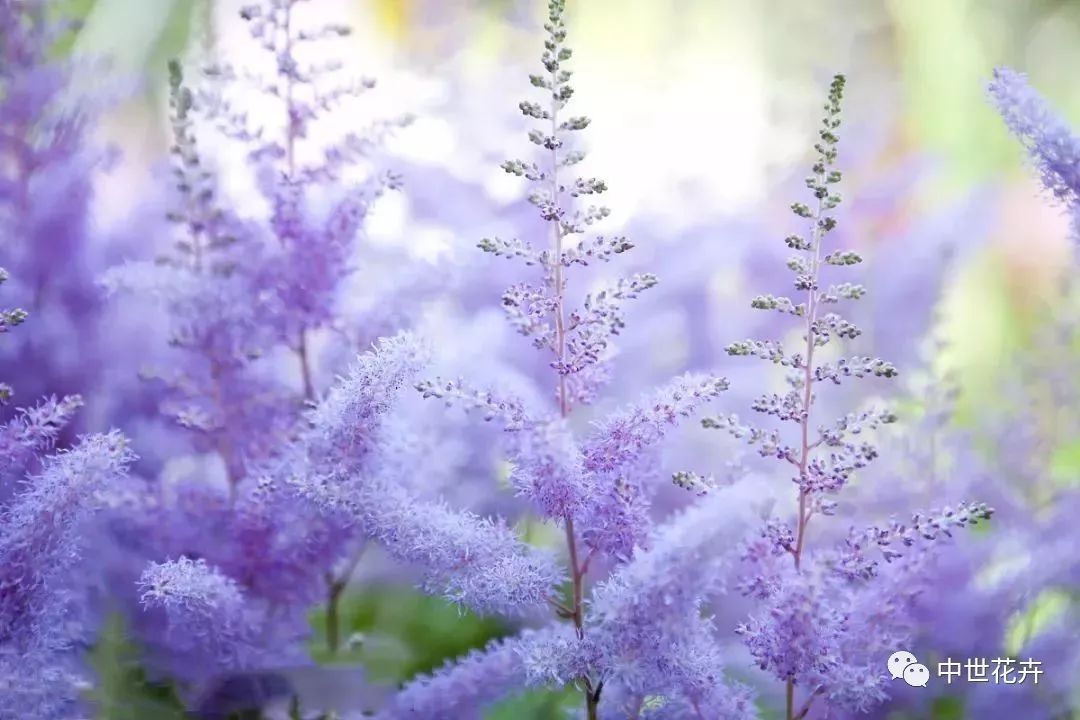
{"points": [[397, 633], [537, 705], [947, 707], [122, 690], [137, 36], [1027, 624], [1065, 463], [77, 10]]}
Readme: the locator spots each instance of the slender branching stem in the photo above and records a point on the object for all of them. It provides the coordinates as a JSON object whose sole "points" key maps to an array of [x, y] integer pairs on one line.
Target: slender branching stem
{"points": [[305, 366], [806, 444], [805, 709], [291, 114], [575, 608], [224, 447], [335, 588], [577, 570]]}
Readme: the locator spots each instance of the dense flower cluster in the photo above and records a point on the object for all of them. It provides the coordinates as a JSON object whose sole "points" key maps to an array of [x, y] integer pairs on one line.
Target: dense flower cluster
{"points": [[239, 293], [47, 162], [1052, 145], [599, 489], [46, 501], [299, 461], [825, 612]]}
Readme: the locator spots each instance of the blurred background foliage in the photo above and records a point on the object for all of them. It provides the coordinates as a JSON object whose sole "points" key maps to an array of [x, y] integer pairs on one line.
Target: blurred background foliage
{"points": [[739, 76], [715, 94]]}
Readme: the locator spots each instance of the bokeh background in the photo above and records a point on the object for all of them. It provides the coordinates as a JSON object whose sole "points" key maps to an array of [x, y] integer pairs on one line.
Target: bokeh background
{"points": [[702, 111]]}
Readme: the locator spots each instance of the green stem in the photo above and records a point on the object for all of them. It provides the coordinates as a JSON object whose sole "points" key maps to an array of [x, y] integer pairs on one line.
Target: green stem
{"points": [[333, 616]]}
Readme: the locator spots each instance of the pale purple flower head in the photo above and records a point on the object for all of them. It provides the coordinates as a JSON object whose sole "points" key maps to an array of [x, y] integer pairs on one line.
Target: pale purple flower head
{"points": [[1052, 146], [465, 686]]}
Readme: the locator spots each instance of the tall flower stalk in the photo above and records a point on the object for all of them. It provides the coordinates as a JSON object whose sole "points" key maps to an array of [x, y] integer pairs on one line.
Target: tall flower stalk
{"points": [[819, 183], [47, 502], [1052, 146], [557, 82], [597, 491], [575, 348], [808, 269], [549, 199], [49, 239], [820, 608], [239, 291]]}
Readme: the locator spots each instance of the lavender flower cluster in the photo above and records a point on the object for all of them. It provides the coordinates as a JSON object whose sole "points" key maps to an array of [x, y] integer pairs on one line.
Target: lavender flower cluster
{"points": [[296, 440]]}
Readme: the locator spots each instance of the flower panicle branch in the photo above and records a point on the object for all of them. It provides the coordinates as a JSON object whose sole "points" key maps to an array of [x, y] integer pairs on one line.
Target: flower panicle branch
{"points": [[813, 600]]}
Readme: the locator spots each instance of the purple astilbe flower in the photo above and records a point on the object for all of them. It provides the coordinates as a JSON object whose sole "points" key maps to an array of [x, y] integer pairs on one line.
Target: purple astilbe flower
{"points": [[240, 293], [32, 431], [577, 339], [807, 634], [238, 290], [601, 483], [1051, 144], [830, 635], [474, 561], [206, 615], [692, 667], [313, 254], [291, 535], [43, 606], [344, 428], [43, 526], [617, 520], [211, 295], [855, 559], [47, 164], [44, 520], [597, 489], [464, 687], [341, 465], [646, 631], [275, 550], [547, 462], [278, 536], [215, 392]]}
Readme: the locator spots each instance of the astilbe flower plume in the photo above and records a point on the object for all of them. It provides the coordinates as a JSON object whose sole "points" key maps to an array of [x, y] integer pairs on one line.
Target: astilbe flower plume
{"points": [[1008, 595], [315, 252], [1053, 147], [1035, 434], [211, 299], [345, 466], [274, 549], [824, 619], [650, 634], [238, 290], [598, 489], [239, 293], [205, 610], [44, 518], [47, 166]]}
